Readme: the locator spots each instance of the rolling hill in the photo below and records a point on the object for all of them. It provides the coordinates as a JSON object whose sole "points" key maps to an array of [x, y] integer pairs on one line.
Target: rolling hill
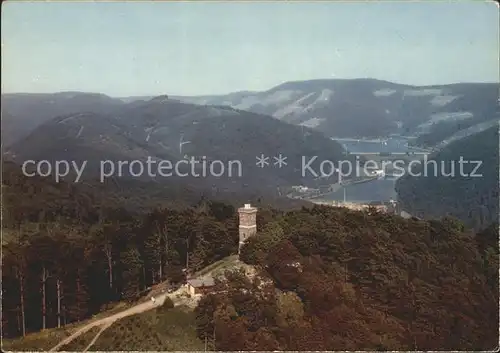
{"points": [[327, 279], [370, 108], [225, 138], [23, 112], [474, 200], [335, 107]]}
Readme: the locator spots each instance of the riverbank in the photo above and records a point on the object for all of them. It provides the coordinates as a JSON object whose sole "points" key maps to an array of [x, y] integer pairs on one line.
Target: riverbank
{"points": [[348, 139], [340, 186], [381, 153], [355, 206], [384, 145], [333, 188]]}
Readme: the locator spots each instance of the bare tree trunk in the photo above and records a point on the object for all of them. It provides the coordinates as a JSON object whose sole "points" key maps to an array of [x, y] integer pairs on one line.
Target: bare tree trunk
{"points": [[187, 254], [45, 276], [20, 276], [21, 297], [18, 321], [213, 336], [164, 234], [109, 256], [78, 288], [58, 284]]}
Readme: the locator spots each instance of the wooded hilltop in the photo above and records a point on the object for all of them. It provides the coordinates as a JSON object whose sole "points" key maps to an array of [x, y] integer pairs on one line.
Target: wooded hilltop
{"points": [[329, 278]]}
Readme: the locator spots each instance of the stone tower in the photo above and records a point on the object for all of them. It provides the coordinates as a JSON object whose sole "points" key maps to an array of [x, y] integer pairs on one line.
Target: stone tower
{"points": [[248, 223]]}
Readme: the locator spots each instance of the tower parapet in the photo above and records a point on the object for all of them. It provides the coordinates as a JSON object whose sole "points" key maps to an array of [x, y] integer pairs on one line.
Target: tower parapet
{"points": [[247, 223]]}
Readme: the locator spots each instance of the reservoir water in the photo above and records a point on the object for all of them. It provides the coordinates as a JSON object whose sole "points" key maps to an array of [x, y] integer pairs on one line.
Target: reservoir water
{"points": [[376, 190], [394, 144]]}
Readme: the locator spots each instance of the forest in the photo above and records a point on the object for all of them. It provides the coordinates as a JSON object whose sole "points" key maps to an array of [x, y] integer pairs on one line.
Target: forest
{"points": [[329, 278], [334, 279], [66, 256], [472, 197]]}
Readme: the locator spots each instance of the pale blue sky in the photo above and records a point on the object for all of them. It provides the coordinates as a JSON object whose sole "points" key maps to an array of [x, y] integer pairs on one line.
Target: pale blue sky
{"points": [[187, 48]]}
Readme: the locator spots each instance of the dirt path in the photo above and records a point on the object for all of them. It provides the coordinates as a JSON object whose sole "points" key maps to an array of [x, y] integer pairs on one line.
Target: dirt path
{"points": [[103, 328], [108, 321]]}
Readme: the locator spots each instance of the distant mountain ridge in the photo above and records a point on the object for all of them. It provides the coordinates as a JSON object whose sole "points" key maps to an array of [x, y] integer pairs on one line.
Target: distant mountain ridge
{"points": [[369, 107], [167, 129], [24, 112], [335, 107]]}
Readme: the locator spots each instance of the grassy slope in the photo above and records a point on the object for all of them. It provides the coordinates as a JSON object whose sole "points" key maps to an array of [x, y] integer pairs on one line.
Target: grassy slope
{"points": [[156, 330], [218, 267], [45, 340], [81, 342], [159, 329], [38, 341]]}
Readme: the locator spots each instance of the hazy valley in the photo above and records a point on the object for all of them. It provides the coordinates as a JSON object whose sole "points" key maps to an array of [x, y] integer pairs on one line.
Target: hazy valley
{"points": [[337, 108]]}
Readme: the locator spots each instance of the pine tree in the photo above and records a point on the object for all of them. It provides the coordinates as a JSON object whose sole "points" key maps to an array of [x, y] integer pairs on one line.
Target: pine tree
{"points": [[152, 256], [132, 267]]}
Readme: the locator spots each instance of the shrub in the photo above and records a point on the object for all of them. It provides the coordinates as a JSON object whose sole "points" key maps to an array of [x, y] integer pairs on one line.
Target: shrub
{"points": [[167, 304]]}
